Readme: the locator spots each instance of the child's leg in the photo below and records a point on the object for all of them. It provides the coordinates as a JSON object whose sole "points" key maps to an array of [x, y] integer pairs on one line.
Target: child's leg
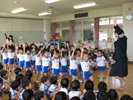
{"points": [[73, 78], [84, 83], [91, 78], [37, 75]]}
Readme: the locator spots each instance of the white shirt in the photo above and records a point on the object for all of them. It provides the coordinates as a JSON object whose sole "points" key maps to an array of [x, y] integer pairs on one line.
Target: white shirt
{"points": [[4, 55], [37, 62], [27, 57], [11, 55], [85, 65], [63, 61], [43, 87], [93, 64], [73, 94], [21, 57], [12, 93], [78, 60], [52, 88], [110, 58], [100, 61], [64, 90], [73, 64], [45, 61], [55, 63], [33, 57], [20, 96]]}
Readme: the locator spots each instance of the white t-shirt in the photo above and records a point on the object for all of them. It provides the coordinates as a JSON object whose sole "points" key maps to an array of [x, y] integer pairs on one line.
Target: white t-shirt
{"points": [[45, 61], [43, 87], [73, 64], [4, 55], [64, 90], [78, 60], [37, 62], [33, 57], [52, 88], [73, 94], [100, 61], [11, 55], [110, 58], [93, 64], [27, 57], [85, 65], [55, 63], [63, 61], [21, 57], [12, 93]]}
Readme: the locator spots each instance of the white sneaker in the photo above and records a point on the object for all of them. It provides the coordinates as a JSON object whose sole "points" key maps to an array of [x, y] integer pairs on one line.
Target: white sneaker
{"points": [[104, 76], [80, 80], [98, 76]]}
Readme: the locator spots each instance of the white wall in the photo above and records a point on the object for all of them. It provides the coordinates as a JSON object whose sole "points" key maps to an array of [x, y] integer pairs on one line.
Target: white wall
{"points": [[128, 29], [29, 29]]}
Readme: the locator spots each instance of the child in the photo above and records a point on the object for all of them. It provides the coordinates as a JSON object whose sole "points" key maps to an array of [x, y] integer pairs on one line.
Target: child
{"points": [[40, 96], [112, 94], [102, 86], [11, 59], [125, 97], [17, 71], [60, 96], [73, 65], [28, 94], [55, 63], [96, 51], [102, 95], [101, 63], [75, 86], [21, 58], [33, 59], [45, 84], [64, 85], [89, 95], [79, 65], [89, 86], [94, 62], [111, 57], [45, 62], [85, 66], [4, 57]]}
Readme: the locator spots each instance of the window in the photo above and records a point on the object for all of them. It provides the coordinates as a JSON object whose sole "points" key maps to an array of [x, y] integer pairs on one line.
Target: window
{"points": [[104, 21], [88, 34]]}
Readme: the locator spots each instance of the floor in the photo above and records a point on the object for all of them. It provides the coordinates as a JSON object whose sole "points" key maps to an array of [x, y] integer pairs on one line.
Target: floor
{"points": [[111, 82]]}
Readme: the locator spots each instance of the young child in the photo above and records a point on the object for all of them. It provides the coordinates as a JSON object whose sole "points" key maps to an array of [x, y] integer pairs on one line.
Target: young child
{"points": [[96, 51], [94, 62], [79, 65], [111, 57], [45, 84], [28, 94], [75, 86], [40, 96], [21, 58], [33, 57], [113, 95], [89, 86], [85, 66], [89, 95], [102, 95], [101, 63], [73, 65], [64, 85], [45, 63], [4, 57], [17, 71], [55, 63]]}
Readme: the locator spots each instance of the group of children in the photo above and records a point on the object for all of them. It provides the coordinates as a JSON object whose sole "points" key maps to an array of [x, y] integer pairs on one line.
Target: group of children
{"points": [[54, 66]]}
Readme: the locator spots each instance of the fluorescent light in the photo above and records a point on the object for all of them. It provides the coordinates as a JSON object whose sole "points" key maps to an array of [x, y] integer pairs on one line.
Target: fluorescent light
{"points": [[92, 24], [84, 5], [51, 1], [18, 10], [44, 13]]}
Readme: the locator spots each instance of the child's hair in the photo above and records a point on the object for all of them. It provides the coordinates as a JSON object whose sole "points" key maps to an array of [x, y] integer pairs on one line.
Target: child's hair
{"points": [[1, 66], [96, 48], [15, 84], [78, 49], [28, 73], [89, 85], [102, 95], [19, 77], [27, 49], [45, 50], [25, 83], [86, 49], [65, 82], [94, 56], [57, 51], [3, 73], [17, 70], [62, 47], [85, 53], [1, 81], [53, 80], [20, 48], [64, 53], [12, 47], [75, 85], [60, 96], [28, 94], [75, 98], [89, 95], [126, 97], [112, 94], [44, 79], [100, 51], [111, 53], [75, 53], [102, 86], [38, 95]]}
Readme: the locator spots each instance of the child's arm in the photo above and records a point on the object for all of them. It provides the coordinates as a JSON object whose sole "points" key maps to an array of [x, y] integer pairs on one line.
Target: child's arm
{"points": [[53, 55], [58, 46], [24, 47], [68, 47], [3, 49], [81, 56], [72, 57]]}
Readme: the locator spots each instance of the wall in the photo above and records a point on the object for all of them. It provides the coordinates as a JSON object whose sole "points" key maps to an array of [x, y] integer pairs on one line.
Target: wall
{"points": [[29, 29], [128, 29]]}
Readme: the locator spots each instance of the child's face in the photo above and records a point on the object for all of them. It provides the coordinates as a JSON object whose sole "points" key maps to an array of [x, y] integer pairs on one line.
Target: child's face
{"points": [[33, 50], [10, 50], [112, 54], [95, 59], [46, 54], [21, 51], [99, 54], [56, 55], [28, 52], [5, 49], [30, 86], [75, 56], [78, 53], [85, 57], [62, 49], [52, 47], [96, 51], [85, 50]]}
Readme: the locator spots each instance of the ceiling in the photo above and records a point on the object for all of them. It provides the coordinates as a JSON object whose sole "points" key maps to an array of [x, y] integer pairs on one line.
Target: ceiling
{"points": [[62, 7]]}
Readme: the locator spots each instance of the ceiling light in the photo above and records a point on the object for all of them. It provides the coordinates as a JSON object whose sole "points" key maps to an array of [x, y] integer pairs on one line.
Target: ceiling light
{"points": [[84, 5], [18, 10], [44, 13], [51, 1]]}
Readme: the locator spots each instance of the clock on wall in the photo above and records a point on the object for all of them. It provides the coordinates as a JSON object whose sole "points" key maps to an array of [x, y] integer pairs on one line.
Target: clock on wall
{"points": [[129, 16]]}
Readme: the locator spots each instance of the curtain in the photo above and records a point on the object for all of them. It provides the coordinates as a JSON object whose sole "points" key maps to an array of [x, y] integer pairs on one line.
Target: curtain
{"points": [[71, 31], [96, 28], [52, 29]]}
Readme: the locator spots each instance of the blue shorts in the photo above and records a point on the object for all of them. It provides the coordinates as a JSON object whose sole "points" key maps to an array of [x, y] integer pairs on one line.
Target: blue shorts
{"points": [[5, 61], [27, 64], [33, 62], [85, 75], [72, 72], [21, 63], [11, 61], [55, 71], [45, 69], [64, 69], [102, 68], [38, 67], [79, 66], [68, 62]]}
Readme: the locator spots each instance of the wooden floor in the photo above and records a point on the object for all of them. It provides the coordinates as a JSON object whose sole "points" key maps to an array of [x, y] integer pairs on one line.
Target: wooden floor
{"points": [[111, 82]]}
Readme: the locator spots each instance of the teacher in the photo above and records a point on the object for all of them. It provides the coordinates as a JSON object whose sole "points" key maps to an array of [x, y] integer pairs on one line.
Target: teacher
{"points": [[119, 63], [9, 39]]}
